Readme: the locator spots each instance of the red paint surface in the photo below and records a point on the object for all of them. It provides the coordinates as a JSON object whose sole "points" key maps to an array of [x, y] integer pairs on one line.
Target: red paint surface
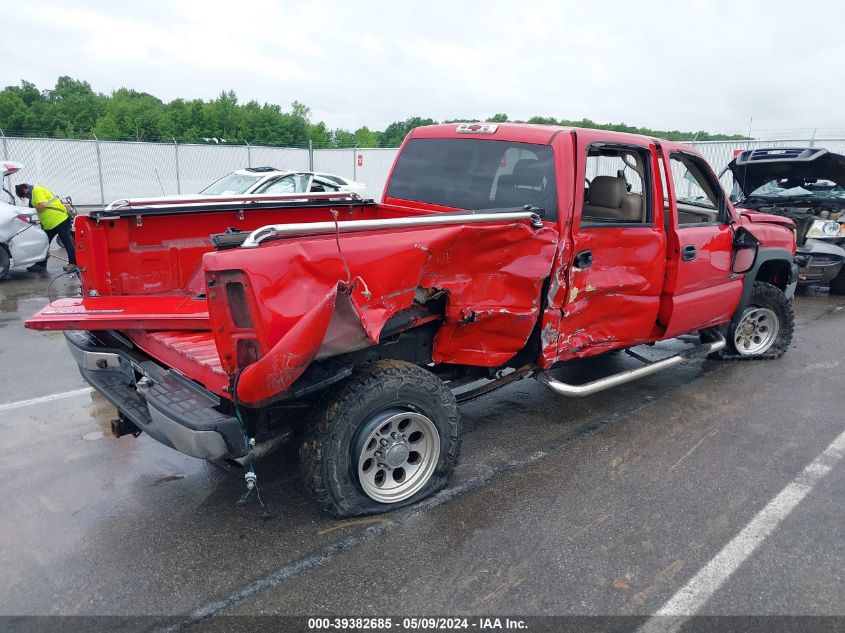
{"points": [[122, 313], [614, 302], [192, 353], [769, 229], [162, 255], [703, 291], [162, 282], [491, 276]]}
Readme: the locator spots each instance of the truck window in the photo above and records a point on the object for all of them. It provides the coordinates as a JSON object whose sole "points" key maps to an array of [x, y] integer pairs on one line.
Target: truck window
{"points": [[476, 174], [616, 190], [700, 198]]}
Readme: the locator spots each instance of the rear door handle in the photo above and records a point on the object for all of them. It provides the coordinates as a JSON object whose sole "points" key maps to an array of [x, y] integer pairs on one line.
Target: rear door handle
{"points": [[584, 259], [688, 252]]}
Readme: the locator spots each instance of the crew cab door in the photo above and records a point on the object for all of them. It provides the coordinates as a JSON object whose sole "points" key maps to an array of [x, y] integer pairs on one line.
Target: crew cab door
{"points": [[700, 290], [618, 254]]}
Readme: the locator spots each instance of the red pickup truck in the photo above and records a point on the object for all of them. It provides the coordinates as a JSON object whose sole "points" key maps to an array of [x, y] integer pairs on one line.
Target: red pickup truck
{"points": [[498, 252]]}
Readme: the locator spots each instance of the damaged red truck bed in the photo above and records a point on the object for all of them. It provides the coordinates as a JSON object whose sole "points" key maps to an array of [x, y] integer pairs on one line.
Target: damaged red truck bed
{"points": [[497, 252]]}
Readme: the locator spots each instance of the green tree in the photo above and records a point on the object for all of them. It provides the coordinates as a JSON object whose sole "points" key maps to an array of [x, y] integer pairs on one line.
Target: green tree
{"points": [[343, 138], [223, 116], [543, 120], [72, 108], [23, 109], [396, 132], [364, 137], [131, 115]]}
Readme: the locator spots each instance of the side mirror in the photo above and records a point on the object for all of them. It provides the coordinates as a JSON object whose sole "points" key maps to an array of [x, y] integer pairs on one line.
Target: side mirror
{"points": [[745, 247]]}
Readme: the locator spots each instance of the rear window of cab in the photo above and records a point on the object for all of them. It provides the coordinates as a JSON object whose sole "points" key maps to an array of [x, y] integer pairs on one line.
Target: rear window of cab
{"points": [[476, 174]]}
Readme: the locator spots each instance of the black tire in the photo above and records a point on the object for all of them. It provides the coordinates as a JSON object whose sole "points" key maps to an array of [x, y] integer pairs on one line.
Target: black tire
{"points": [[770, 298], [5, 262], [333, 443], [837, 284]]}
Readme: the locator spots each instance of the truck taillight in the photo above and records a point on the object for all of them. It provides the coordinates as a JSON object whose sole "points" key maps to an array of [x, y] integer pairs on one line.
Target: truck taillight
{"points": [[235, 319], [247, 349]]}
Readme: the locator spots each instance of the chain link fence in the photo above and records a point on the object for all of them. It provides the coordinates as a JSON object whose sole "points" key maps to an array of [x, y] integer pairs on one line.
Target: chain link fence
{"points": [[96, 172]]}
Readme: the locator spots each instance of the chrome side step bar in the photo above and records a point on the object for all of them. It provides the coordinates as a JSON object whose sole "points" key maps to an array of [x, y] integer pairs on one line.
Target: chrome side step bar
{"points": [[601, 384]]}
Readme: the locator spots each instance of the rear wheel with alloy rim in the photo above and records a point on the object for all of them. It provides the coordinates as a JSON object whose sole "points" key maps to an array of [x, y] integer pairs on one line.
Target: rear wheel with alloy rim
{"points": [[387, 437], [398, 452]]}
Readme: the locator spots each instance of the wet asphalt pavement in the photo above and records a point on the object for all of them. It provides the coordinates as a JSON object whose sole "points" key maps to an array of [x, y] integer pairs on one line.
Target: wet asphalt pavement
{"points": [[599, 506]]}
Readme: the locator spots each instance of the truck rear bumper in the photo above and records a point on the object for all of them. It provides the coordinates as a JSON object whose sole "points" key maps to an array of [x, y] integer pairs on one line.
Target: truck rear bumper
{"points": [[160, 402]]}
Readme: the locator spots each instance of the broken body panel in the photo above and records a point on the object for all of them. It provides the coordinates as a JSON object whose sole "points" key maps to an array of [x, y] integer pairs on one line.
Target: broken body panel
{"points": [[496, 292]]}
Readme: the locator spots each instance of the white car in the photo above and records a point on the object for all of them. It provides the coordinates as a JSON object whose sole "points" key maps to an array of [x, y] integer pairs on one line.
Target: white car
{"points": [[22, 241], [255, 183], [256, 180]]}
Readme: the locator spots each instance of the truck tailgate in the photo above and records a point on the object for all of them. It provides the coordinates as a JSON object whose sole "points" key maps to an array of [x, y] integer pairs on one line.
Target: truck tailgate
{"points": [[170, 312]]}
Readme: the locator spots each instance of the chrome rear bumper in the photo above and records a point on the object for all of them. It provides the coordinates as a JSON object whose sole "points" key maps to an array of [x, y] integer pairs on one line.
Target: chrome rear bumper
{"points": [[160, 402]]}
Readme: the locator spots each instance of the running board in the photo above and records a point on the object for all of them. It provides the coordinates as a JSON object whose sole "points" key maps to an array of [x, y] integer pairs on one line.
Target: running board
{"points": [[601, 384]]}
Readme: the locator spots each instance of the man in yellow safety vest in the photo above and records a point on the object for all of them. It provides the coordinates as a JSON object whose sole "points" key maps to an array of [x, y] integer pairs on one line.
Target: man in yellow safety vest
{"points": [[54, 218]]}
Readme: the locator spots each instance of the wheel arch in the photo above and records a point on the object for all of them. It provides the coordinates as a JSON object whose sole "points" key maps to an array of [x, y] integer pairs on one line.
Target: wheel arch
{"points": [[774, 266]]}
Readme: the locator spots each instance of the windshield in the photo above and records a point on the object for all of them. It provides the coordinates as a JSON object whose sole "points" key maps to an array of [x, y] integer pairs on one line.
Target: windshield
{"points": [[232, 184], [799, 188], [476, 174]]}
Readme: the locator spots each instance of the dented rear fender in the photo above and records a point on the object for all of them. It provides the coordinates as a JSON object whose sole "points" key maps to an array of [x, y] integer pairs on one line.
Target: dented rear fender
{"points": [[311, 297]]}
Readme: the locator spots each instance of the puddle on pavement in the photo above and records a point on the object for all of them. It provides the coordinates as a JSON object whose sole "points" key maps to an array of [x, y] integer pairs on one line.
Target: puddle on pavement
{"points": [[22, 287], [103, 412]]}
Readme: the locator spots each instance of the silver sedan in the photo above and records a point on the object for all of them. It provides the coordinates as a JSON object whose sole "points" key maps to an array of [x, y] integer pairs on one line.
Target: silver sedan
{"points": [[22, 242]]}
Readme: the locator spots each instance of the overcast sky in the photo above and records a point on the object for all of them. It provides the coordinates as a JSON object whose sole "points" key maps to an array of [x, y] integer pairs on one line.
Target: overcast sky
{"points": [[674, 65]]}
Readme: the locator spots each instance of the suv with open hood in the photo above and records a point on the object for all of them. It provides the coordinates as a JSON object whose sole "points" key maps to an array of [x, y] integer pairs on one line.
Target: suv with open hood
{"points": [[807, 185]]}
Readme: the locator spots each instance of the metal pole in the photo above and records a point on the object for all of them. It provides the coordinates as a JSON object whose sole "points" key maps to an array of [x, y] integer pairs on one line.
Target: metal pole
{"points": [[100, 171], [5, 149], [310, 155], [176, 151], [355, 163], [813, 137], [750, 121], [248, 154]]}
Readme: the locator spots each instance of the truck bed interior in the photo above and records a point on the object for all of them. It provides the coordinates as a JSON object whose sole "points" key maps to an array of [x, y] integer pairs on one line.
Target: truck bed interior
{"points": [[158, 251]]}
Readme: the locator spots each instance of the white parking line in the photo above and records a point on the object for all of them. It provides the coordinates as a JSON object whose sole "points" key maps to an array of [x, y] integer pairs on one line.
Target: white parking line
{"points": [[692, 596], [54, 396]]}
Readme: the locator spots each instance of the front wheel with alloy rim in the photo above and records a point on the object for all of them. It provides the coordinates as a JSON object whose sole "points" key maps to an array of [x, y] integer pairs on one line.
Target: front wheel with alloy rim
{"points": [[764, 328], [387, 437]]}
